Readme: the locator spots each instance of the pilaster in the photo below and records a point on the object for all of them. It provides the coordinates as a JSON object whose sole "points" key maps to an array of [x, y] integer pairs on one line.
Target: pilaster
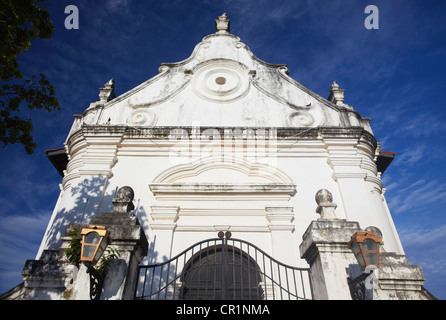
{"points": [[280, 223], [164, 224]]}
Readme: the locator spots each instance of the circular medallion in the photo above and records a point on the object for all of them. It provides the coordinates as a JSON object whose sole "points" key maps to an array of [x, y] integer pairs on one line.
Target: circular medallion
{"points": [[142, 117], [300, 119], [222, 82]]}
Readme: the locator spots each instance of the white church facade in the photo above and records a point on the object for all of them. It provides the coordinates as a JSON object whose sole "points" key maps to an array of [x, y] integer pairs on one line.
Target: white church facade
{"points": [[227, 147]]}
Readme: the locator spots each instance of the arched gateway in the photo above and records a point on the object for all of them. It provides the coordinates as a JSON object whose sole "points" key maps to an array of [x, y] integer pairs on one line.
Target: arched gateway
{"points": [[221, 272], [223, 268]]}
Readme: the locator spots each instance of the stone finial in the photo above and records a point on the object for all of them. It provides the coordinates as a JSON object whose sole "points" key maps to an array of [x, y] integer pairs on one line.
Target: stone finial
{"points": [[222, 24], [325, 207], [335, 85], [124, 200], [108, 92], [336, 95]]}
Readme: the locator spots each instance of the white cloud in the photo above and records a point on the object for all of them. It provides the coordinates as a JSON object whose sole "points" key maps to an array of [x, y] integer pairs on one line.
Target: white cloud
{"points": [[20, 237], [423, 124], [412, 155], [417, 195], [425, 237], [114, 5], [426, 247]]}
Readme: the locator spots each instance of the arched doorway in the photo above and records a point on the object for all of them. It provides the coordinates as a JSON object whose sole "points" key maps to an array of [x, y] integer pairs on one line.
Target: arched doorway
{"points": [[221, 272], [222, 268]]}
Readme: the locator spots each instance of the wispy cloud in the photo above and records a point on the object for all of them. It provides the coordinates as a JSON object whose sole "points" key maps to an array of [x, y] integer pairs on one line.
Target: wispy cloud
{"points": [[417, 195], [425, 237], [20, 236], [114, 5], [413, 155], [427, 247]]}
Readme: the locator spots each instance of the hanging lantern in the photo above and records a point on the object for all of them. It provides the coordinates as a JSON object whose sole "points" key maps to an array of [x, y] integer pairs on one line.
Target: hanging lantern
{"points": [[365, 247], [94, 241]]}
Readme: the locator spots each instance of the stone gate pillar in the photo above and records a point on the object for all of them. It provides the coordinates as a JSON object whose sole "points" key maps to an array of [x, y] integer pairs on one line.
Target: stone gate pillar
{"points": [[332, 264], [324, 246], [129, 240]]}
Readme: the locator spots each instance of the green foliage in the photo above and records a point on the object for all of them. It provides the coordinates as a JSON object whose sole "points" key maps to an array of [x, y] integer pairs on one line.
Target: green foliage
{"points": [[20, 22], [73, 252], [108, 256]]}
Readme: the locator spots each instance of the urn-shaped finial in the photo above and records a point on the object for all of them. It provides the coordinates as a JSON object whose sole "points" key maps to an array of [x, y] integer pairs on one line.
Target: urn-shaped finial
{"points": [[325, 207], [124, 200]]}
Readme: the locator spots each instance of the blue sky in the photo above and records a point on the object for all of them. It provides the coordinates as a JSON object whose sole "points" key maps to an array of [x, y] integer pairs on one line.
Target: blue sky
{"points": [[394, 75]]}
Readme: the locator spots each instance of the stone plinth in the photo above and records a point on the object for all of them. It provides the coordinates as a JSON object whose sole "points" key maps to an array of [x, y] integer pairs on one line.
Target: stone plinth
{"points": [[398, 280], [45, 279], [324, 246]]}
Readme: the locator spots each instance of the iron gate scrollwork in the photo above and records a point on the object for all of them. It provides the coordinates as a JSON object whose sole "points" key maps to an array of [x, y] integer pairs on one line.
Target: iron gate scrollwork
{"points": [[223, 268]]}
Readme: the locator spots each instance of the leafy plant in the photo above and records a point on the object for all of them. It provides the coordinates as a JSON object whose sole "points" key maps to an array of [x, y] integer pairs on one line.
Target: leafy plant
{"points": [[73, 252], [109, 255]]}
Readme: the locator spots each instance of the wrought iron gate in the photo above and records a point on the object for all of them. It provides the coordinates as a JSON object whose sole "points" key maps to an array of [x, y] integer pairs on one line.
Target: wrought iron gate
{"points": [[223, 268]]}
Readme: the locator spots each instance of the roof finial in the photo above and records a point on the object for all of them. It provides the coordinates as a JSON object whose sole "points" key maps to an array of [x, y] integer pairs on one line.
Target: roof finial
{"points": [[336, 95], [222, 24], [108, 92]]}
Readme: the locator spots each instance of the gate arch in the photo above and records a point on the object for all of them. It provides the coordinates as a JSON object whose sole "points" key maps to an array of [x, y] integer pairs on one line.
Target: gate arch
{"points": [[223, 268], [221, 272]]}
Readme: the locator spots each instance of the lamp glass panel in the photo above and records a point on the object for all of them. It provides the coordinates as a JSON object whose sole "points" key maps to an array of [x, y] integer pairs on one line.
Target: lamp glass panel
{"points": [[92, 238], [360, 260], [104, 243], [369, 245], [355, 248], [372, 258], [101, 249], [98, 255], [88, 251]]}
